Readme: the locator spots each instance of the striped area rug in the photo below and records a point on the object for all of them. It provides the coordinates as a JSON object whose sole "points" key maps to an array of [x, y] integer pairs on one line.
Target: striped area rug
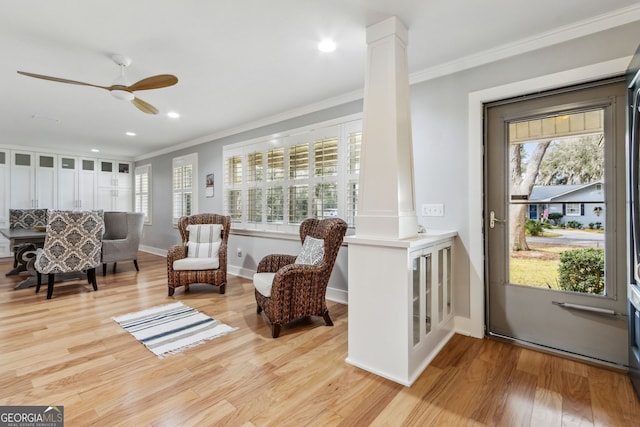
{"points": [[171, 328]]}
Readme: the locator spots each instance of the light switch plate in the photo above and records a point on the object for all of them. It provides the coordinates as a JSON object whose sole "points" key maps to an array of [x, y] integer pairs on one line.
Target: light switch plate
{"points": [[433, 209]]}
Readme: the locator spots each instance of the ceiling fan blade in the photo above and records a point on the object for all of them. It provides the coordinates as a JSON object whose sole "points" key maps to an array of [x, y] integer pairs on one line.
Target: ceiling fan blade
{"points": [[154, 82], [57, 79], [143, 106]]}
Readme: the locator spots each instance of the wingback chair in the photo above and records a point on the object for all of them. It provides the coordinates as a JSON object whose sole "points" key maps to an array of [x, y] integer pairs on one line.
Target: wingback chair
{"points": [[121, 240], [73, 244], [289, 287], [26, 219], [202, 256]]}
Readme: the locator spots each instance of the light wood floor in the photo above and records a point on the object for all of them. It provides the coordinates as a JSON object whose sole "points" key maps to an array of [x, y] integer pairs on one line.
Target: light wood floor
{"points": [[68, 351]]}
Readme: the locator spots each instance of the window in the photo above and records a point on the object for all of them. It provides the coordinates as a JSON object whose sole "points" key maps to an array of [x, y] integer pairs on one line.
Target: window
{"points": [[276, 183], [184, 189], [574, 209], [142, 191]]}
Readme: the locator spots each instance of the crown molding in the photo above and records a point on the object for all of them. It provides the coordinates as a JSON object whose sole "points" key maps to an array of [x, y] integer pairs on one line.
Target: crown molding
{"points": [[593, 25], [569, 32]]}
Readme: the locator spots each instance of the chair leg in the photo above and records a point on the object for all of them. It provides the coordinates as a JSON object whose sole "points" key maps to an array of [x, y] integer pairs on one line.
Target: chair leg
{"points": [[275, 330], [39, 281], [223, 288], [91, 273], [114, 267], [104, 270], [50, 286], [327, 319], [135, 264], [171, 290], [258, 309]]}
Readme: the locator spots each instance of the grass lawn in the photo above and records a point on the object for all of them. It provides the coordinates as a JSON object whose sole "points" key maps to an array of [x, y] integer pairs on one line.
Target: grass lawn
{"points": [[534, 272]]}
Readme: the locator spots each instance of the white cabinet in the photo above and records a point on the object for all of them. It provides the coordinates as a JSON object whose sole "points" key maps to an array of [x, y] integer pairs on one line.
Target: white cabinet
{"points": [[401, 311], [115, 186], [34, 180], [5, 188], [431, 308], [77, 178]]}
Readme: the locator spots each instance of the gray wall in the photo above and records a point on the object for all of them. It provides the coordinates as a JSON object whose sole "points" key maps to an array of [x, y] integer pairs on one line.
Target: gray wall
{"points": [[440, 143]]}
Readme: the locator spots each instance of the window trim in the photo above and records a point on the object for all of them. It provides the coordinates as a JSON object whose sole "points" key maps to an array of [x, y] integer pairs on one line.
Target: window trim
{"points": [[189, 159], [143, 170], [341, 128]]}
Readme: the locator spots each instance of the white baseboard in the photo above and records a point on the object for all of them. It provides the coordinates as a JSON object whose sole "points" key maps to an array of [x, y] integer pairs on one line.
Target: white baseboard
{"points": [[153, 251]]}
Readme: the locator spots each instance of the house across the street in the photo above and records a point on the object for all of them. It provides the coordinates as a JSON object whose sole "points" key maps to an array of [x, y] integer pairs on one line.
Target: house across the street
{"points": [[583, 203]]}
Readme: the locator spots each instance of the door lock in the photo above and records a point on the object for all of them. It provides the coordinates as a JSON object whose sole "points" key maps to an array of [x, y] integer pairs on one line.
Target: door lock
{"points": [[493, 219]]}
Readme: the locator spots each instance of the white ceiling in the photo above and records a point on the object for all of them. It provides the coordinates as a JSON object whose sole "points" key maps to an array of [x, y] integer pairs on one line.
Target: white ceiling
{"points": [[238, 62]]}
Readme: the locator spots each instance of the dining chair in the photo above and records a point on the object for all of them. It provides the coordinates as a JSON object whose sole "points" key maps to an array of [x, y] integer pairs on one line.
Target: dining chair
{"points": [[73, 244]]}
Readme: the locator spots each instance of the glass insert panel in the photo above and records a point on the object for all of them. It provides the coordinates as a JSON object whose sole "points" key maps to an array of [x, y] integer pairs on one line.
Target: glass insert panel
{"points": [[47, 162], [22, 159], [557, 202], [440, 285], [3, 158], [88, 165], [67, 163], [428, 292], [415, 301], [106, 166], [123, 167]]}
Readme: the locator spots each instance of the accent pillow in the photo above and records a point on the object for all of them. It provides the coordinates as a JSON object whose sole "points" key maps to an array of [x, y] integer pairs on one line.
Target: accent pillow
{"points": [[203, 250], [204, 233], [312, 251]]}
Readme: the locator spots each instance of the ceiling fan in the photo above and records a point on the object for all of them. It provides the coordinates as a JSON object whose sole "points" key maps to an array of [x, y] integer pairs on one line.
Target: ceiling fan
{"points": [[121, 88]]}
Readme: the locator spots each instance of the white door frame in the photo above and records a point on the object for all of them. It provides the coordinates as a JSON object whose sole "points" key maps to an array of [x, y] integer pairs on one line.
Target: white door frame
{"points": [[474, 325]]}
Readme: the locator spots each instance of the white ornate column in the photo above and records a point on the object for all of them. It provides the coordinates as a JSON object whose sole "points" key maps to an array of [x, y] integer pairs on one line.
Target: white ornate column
{"points": [[386, 198]]}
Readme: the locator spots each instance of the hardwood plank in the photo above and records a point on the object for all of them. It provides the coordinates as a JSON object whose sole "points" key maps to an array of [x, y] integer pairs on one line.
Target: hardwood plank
{"points": [[68, 351]]}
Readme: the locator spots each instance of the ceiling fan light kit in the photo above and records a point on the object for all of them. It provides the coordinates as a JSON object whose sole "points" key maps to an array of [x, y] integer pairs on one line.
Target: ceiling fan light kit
{"points": [[121, 89]]}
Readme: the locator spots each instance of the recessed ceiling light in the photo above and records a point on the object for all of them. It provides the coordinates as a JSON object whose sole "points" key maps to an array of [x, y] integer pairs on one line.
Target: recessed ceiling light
{"points": [[173, 114], [327, 45], [95, 150], [130, 133]]}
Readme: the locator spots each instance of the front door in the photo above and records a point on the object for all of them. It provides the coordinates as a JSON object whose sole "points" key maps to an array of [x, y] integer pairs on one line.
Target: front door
{"points": [[558, 281]]}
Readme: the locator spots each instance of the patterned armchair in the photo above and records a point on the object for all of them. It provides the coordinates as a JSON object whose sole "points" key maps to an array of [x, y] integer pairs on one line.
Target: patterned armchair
{"points": [[26, 219], [289, 287], [202, 256], [73, 244]]}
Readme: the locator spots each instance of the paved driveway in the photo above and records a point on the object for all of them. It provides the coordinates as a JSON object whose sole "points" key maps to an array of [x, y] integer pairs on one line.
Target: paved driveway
{"points": [[571, 237]]}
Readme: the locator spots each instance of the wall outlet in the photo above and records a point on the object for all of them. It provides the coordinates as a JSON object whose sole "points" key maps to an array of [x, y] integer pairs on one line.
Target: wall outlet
{"points": [[433, 209], [239, 252]]}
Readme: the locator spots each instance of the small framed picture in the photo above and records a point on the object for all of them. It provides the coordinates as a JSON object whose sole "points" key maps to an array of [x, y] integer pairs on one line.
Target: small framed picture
{"points": [[209, 185]]}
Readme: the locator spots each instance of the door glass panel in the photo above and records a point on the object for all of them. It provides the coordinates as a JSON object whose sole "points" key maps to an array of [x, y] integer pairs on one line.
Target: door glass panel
{"points": [[2, 158], [87, 165], [123, 167], [557, 200], [106, 166]]}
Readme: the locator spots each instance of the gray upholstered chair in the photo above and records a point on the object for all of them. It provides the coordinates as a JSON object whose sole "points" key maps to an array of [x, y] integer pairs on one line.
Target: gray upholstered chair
{"points": [[202, 256], [25, 219], [73, 244], [290, 287], [121, 240]]}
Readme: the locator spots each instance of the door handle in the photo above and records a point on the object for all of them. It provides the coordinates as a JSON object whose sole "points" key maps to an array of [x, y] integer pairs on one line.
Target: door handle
{"points": [[493, 219]]}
